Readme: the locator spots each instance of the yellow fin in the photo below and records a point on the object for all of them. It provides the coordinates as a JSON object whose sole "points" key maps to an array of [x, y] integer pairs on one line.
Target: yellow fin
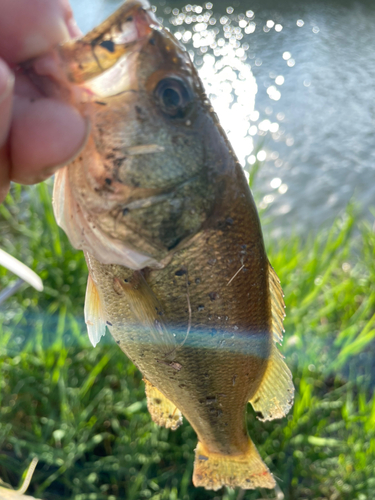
{"points": [[274, 398], [248, 471], [277, 305], [94, 315], [163, 412], [147, 310]]}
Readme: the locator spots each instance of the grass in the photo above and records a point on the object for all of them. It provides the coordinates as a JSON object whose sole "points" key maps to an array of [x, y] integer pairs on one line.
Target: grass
{"points": [[82, 411]]}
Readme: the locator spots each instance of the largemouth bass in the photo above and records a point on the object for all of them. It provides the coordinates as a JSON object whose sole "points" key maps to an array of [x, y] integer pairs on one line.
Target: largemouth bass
{"points": [[178, 271]]}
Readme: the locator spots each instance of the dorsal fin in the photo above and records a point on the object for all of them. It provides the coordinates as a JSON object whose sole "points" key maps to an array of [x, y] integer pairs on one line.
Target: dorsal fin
{"points": [[277, 305], [94, 315], [275, 395]]}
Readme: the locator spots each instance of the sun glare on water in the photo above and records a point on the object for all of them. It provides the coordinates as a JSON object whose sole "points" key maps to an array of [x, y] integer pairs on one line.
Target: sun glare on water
{"points": [[220, 46]]}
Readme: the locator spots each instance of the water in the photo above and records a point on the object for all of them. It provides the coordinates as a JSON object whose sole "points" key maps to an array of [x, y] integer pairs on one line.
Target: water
{"points": [[293, 86]]}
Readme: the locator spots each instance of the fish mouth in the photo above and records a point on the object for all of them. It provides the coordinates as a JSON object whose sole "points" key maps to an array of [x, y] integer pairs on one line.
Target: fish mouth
{"points": [[123, 32]]}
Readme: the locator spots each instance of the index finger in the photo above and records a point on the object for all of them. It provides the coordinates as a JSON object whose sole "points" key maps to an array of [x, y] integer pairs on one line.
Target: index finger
{"points": [[31, 27]]}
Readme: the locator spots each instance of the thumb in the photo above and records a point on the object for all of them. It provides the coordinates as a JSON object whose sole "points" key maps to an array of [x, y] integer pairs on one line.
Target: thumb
{"points": [[6, 99]]}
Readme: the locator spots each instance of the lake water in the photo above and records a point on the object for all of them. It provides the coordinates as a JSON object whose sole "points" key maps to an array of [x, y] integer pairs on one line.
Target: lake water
{"points": [[293, 85]]}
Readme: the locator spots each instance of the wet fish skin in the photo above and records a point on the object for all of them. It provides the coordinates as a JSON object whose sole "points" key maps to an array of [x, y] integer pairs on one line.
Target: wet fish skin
{"points": [[173, 243]]}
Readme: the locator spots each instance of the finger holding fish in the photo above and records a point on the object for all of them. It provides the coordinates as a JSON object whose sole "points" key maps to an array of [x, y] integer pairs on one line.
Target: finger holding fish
{"points": [[37, 134]]}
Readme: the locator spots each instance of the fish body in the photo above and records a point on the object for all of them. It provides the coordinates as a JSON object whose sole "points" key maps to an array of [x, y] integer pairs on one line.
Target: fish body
{"points": [[177, 266]]}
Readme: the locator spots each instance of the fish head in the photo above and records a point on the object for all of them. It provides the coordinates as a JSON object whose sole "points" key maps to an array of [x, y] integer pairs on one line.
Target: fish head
{"points": [[154, 165]]}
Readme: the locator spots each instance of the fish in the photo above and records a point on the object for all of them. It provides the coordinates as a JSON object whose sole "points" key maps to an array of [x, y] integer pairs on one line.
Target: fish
{"points": [[178, 271]]}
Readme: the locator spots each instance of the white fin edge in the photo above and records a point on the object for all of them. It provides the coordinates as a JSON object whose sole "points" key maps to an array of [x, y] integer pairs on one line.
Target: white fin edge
{"points": [[94, 315], [84, 233]]}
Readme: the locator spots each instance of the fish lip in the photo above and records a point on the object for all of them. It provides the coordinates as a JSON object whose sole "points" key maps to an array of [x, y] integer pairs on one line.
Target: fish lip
{"points": [[138, 10]]}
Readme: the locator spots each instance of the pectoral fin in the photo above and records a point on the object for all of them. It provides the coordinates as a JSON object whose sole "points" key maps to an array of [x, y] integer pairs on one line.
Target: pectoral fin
{"points": [[163, 412], [94, 315], [274, 398], [147, 310]]}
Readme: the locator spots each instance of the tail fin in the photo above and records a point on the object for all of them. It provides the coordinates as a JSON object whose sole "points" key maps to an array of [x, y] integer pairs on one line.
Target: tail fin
{"points": [[248, 471]]}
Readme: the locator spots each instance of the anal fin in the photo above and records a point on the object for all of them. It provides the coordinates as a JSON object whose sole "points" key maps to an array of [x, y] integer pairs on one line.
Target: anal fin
{"points": [[247, 471], [163, 412], [274, 397]]}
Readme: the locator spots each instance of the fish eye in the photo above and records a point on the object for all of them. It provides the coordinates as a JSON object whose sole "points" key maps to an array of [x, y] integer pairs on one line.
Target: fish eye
{"points": [[174, 97]]}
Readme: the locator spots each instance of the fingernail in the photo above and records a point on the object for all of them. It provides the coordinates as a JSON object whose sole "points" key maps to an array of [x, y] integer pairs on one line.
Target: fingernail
{"points": [[6, 81], [73, 28]]}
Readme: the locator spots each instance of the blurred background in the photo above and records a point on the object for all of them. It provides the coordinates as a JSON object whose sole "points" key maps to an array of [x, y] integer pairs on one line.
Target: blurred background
{"points": [[292, 83]]}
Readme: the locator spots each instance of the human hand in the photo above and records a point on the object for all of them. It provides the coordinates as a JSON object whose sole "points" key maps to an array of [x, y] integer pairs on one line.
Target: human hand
{"points": [[38, 134]]}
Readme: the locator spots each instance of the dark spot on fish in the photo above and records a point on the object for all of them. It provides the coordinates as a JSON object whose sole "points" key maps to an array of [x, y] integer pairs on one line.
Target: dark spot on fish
{"points": [[256, 400], [109, 323], [213, 296], [117, 342], [181, 386], [157, 401], [174, 244], [173, 364], [126, 280], [80, 66], [180, 272], [119, 161], [197, 281], [203, 457], [108, 45], [108, 181], [229, 221], [129, 19], [200, 308], [234, 379], [125, 211], [210, 400], [206, 375], [212, 262], [101, 103], [152, 41]]}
